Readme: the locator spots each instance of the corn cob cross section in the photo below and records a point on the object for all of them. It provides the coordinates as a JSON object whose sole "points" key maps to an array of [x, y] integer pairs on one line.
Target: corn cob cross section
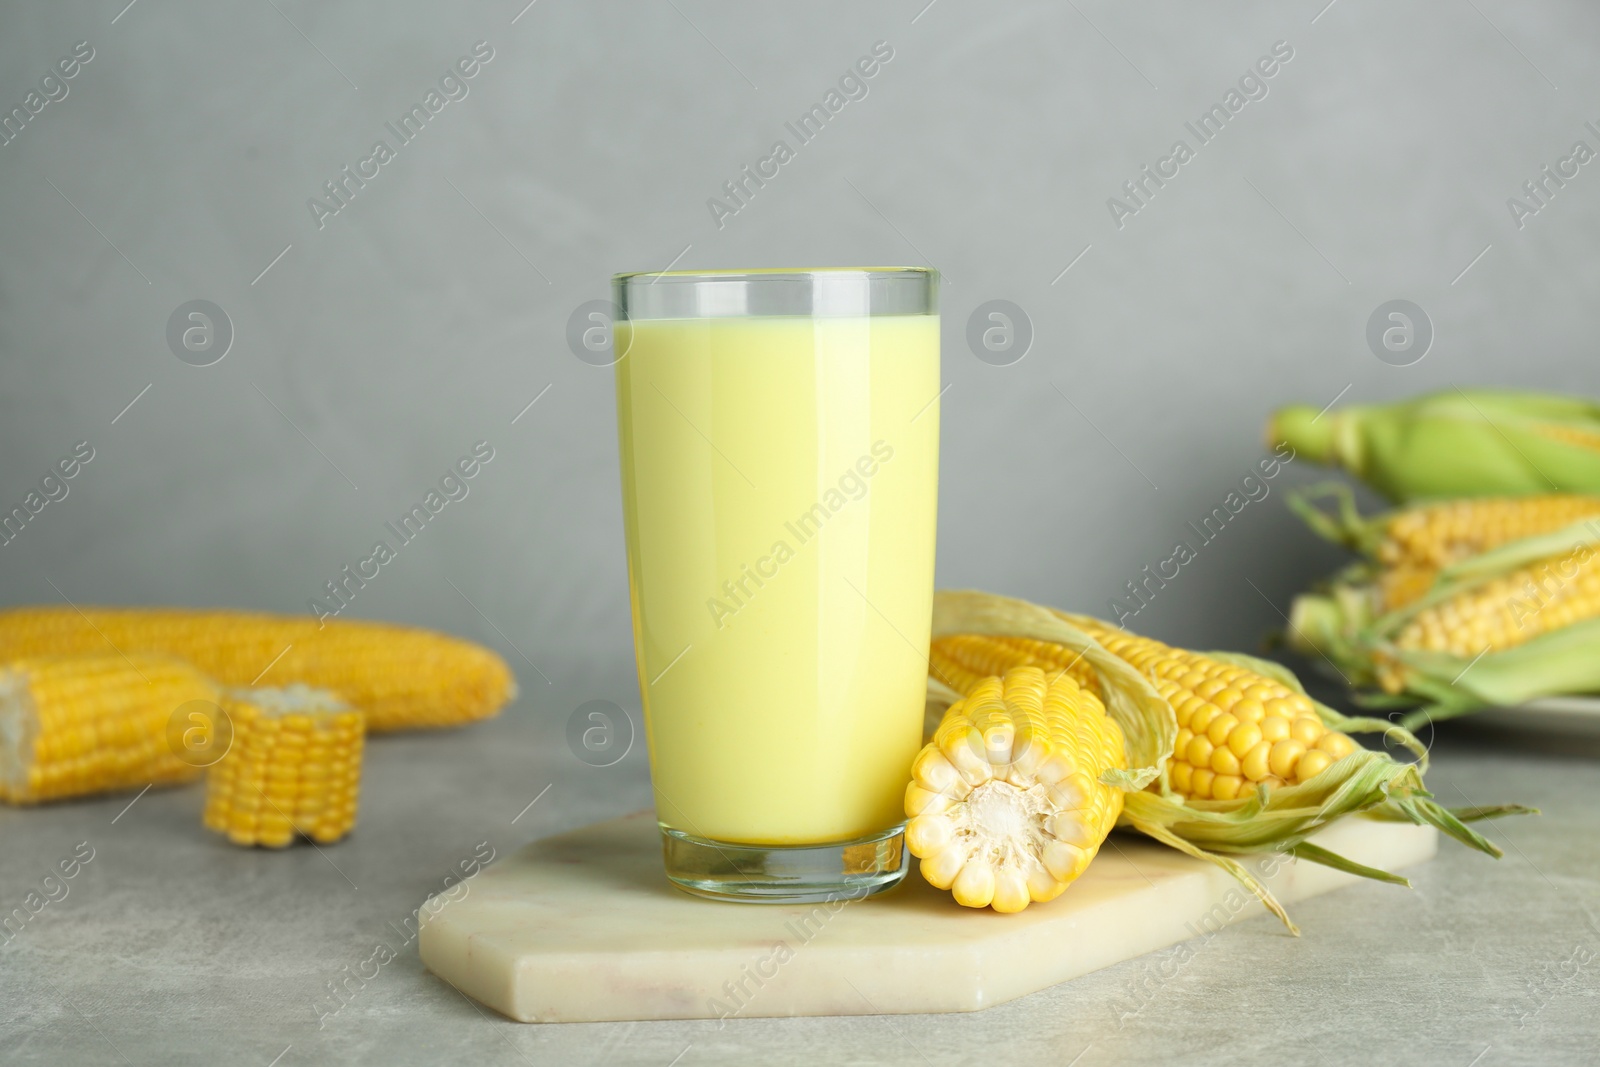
{"points": [[1007, 804], [294, 768], [402, 678], [77, 726]]}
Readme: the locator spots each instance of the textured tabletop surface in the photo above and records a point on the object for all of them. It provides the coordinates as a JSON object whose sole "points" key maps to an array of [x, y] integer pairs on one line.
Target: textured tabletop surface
{"points": [[171, 946]]}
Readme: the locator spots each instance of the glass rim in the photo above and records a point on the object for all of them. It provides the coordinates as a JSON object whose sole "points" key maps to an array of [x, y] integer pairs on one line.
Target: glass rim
{"points": [[724, 274], [817, 292]]}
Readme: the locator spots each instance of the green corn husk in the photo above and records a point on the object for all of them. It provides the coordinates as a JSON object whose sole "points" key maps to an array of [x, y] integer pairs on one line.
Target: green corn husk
{"points": [[1346, 525], [1366, 782], [1347, 627], [1461, 442]]}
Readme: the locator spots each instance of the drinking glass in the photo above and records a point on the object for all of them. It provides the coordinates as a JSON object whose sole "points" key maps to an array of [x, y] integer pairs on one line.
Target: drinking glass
{"points": [[779, 435]]}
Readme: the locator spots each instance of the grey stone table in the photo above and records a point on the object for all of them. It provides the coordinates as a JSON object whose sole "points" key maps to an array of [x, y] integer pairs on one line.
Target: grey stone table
{"points": [[171, 946]]}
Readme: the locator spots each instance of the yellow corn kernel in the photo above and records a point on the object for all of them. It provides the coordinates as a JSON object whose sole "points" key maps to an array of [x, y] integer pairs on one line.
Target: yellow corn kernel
{"points": [[1226, 786], [402, 678], [75, 726], [1006, 805], [265, 791], [1285, 757], [1254, 766], [1312, 764], [1223, 761]]}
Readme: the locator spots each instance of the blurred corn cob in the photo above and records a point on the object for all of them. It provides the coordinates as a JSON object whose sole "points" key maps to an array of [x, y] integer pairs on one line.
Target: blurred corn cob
{"points": [[1514, 622], [77, 726], [1007, 804], [1407, 548], [294, 767], [1458, 443], [1144, 683], [401, 678]]}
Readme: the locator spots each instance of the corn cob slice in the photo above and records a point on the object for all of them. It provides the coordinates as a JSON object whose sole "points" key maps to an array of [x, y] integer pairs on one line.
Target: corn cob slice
{"points": [[1006, 803], [1459, 443], [294, 767], [1256, 820], [1236, 728], [73, 727], [402, 678]]}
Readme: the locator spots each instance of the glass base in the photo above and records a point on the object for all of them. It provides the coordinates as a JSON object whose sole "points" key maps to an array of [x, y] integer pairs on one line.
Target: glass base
{"points": [[784, 874]]}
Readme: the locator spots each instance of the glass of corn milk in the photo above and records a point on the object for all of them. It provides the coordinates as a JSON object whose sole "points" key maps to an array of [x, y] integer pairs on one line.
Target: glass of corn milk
{"points": [[779, 436]]}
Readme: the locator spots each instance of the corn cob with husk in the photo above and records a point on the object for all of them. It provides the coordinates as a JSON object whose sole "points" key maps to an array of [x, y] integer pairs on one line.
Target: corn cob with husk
{"points": [[294, 768], [77, 726], [1281, 795], [1516, 622], [1457, 443], [401, 678], [1236, 728], [1406, 549]]}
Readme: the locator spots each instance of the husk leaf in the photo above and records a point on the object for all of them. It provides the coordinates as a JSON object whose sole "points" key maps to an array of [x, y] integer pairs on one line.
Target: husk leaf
{"points": [[1149, 727]]}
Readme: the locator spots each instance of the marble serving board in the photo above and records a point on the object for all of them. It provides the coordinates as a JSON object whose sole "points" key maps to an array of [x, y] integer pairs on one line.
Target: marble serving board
{"points": [[584, 927]]}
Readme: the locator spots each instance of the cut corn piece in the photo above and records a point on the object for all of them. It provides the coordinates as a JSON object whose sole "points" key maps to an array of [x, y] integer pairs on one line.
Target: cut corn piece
{"points": [[76, 726], [401, 678], [294, 767], [1006, 803]]}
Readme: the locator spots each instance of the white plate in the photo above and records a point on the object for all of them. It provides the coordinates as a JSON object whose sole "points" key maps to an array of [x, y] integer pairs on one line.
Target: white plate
{"points": [[1564, 715]]}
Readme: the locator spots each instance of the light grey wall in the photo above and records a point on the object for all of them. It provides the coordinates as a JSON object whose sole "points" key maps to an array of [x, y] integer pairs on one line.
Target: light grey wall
{"points": [[428, 312]]}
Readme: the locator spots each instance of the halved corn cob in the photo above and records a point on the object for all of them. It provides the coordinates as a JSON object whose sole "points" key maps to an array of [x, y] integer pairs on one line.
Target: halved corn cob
{"points": [[76, 726], [1007, 805], [294, 767], [402, 678], [1236, 728], [1259, 819]]}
